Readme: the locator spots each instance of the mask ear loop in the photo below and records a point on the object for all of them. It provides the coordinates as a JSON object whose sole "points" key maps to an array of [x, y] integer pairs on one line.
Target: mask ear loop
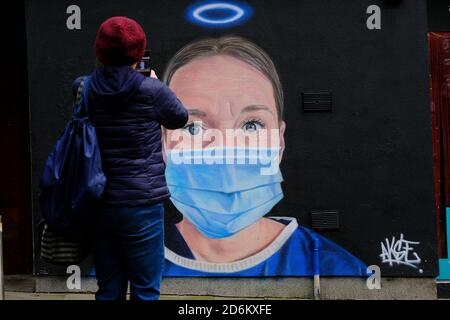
{"points": [[316, 269]]}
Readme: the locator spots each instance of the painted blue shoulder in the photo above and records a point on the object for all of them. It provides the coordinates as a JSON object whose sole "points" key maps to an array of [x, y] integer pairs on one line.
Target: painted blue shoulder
{"points": [[334, 260]]}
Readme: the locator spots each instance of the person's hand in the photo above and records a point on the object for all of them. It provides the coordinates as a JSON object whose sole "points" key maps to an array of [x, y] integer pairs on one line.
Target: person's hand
{"points": [[153, 74]]}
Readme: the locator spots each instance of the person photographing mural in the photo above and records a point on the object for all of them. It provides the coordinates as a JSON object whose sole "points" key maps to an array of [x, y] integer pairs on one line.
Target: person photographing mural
{"points": [[128, 110]]}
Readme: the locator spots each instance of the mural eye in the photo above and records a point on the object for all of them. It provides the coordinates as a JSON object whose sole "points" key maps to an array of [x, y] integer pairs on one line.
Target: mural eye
{"points": [[252, 126], [193, 128]]}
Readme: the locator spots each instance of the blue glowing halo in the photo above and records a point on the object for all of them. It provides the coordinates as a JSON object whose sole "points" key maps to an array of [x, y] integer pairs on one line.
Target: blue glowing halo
{"points": [[219, 14]]}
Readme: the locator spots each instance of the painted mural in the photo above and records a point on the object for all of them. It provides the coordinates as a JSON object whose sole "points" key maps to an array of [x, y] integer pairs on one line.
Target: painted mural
{"points": [[235, 100], [306, 152]]}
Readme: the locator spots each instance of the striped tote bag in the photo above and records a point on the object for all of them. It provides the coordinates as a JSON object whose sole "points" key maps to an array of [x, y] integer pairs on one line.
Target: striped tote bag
{"points": [[63, 249]]}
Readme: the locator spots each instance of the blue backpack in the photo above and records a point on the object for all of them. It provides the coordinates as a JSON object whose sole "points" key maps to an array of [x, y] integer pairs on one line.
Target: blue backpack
{"points": [[73, 179]]}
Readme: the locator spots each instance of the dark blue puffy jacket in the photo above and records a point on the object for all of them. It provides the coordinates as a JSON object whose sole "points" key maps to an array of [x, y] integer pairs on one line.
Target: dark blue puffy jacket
{"points": [[127, 110]]}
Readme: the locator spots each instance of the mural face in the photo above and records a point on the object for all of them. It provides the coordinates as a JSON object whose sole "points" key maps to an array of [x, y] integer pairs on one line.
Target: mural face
{"points": [[225, 230]]}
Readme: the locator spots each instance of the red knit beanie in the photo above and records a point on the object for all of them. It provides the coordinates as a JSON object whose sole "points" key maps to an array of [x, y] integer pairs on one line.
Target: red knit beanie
{"points": [[120, 41]]}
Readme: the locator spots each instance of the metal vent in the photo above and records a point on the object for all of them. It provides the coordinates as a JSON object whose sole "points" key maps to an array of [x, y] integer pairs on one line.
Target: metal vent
{"points": [[320, 101], [325, 220]]}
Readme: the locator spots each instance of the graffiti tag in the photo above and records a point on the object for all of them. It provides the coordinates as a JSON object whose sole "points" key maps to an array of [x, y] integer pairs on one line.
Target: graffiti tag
{"points": [[400, 252]]}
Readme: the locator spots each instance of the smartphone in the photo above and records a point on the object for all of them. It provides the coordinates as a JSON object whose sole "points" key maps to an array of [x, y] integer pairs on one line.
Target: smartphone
{"points": [[144, 66]]}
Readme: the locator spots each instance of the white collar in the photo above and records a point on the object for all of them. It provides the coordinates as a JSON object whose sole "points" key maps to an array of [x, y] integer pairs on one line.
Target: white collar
{"points": [[236, 266]]}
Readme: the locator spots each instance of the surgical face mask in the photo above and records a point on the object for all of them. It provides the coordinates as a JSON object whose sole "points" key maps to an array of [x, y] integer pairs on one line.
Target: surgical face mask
{"points": [[224, 190]]}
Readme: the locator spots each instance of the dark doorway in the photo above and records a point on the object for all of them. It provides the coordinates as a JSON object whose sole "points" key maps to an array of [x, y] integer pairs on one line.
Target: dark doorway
{"points": [[15, 201]]}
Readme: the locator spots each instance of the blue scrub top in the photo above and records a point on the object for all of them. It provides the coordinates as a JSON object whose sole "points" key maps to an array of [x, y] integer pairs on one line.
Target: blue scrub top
{"points": [[290, 254]]}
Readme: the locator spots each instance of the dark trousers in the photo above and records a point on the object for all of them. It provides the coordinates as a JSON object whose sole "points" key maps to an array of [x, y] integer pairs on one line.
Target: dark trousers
{"points": [[128, 246]]}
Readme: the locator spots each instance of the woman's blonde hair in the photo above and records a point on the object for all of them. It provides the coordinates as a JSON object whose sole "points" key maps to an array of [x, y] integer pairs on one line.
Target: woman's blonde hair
{"points": [[236, 47]]}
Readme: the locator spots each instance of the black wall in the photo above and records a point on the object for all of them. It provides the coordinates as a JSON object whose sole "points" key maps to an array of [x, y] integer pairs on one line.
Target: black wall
{"points": [[370, 158], [438, 15]]}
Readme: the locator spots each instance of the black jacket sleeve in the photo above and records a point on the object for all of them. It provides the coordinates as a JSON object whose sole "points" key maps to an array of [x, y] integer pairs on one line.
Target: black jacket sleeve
{"points": [[170, 112]]}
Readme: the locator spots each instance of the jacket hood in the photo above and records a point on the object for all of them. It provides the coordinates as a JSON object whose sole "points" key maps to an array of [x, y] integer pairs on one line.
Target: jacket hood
{"points": [[115, 85]]}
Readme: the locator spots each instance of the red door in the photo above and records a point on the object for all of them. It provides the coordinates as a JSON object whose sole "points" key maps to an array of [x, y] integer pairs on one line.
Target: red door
{"points": [[439, 50]]}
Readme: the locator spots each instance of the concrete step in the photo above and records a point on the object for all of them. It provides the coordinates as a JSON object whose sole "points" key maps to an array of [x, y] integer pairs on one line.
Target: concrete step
{"points": [[264, 288]]}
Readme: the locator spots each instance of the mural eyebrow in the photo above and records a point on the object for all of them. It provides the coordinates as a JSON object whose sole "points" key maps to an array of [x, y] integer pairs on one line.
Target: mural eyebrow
{"points": [[256, 107], [197, 112]]}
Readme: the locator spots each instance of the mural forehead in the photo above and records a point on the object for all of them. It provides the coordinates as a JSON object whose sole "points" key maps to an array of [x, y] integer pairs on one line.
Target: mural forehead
{"points": [[222, 80]]}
